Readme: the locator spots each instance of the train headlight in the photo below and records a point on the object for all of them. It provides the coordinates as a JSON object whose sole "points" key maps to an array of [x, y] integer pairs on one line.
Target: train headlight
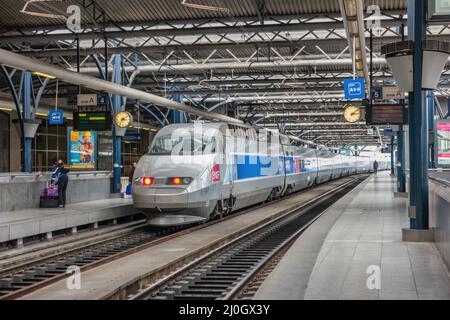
{"points": [[147, 181], [179, 181]]}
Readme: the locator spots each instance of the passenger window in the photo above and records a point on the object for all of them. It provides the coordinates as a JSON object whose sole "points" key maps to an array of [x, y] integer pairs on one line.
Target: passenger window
{"points": [[241, 133], [213, 145], [252, 134]]}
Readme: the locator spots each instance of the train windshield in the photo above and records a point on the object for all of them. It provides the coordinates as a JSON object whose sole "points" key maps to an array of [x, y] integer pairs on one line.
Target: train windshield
{"points": [[168, 145]]}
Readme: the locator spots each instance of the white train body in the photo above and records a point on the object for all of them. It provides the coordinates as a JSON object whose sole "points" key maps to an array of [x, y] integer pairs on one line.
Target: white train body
{"points": [[191, 177]]}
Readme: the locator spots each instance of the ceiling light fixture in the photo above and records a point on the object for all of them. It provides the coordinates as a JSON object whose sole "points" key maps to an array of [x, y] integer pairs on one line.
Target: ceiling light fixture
{"points": [[203, 6], [41, 14], [44, 75]]}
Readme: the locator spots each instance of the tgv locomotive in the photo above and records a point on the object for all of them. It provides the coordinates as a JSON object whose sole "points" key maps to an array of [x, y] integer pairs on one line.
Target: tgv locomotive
{"points": [[197, 171]]}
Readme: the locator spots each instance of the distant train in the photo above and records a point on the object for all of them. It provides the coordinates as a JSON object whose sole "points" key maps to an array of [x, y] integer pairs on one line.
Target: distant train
{"points": [[188, 177]]}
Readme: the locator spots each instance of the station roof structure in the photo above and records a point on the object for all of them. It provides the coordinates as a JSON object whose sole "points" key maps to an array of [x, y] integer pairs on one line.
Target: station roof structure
{"points": [[275, 63]]}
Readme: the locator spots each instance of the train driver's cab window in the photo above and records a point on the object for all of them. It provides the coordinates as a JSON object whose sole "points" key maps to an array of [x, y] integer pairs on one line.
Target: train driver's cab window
{"points": [[169, 145]]}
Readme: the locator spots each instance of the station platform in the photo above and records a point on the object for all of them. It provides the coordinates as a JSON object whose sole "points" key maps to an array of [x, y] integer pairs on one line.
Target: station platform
{"points": [[340, 255], [20, 224]]}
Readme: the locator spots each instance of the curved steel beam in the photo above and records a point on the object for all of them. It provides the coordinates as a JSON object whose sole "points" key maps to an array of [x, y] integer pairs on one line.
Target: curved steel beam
{"points": [[17, 104], [150, 112], [24, 63], [39, 95]]}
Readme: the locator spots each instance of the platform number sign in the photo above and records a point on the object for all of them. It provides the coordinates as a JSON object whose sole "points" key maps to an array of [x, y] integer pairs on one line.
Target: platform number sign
{"points": [[55, 117], [102, 100], [377, 93], [354, 88]]}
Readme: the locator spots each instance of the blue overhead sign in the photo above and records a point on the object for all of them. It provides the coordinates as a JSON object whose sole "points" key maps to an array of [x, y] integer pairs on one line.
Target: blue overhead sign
{"points": [[354, 88], [55, 117], [388, 132]]}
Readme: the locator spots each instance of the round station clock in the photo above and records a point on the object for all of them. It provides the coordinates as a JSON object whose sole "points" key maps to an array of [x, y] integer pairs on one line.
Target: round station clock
{"points": [[352, 114], [123, 119]]}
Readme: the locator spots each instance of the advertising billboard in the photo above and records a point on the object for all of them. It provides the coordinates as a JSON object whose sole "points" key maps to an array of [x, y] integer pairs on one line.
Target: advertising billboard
{"points": [[443, 143], [82, 149]]}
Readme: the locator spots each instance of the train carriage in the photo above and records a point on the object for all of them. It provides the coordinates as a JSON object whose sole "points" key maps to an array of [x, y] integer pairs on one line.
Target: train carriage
{"points": [[301, 167], [196, 171]]}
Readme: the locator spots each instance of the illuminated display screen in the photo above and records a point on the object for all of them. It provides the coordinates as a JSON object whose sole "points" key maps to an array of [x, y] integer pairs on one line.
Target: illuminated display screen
{"points": [[379, 114], [98, 121]]}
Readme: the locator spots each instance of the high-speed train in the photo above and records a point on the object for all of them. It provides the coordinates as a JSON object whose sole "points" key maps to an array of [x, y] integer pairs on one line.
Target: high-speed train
{"points": [[197, 171]]}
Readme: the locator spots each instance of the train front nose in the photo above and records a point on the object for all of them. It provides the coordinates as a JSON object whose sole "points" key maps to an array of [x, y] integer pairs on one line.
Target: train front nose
{"points": [[159, 198], [167, 190]]}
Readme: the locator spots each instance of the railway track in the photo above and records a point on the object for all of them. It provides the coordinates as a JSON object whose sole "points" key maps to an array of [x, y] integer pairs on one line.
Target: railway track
{"points": [[234, 270], [22, 279], [19, 280]]}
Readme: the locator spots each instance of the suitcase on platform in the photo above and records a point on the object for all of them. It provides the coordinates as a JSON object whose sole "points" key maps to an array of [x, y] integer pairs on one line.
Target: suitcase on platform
{"points": [[48, 202], [50, 192]]}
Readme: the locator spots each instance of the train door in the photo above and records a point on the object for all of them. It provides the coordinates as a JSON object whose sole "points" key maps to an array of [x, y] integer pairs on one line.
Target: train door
{"points": [[284, 150], [228, 168], [318, 167]]}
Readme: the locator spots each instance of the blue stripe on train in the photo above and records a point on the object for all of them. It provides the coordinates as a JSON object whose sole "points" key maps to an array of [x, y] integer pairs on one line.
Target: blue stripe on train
{"points": [[252, 166]]}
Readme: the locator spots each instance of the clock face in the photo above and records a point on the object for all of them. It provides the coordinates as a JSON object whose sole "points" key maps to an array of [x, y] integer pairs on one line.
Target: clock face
{"points": [[352, 114], [123, 119]]}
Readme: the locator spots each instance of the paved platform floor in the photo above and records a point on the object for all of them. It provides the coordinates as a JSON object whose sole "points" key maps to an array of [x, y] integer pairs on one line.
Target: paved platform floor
{"points": [[362, 230], [23, 223]]}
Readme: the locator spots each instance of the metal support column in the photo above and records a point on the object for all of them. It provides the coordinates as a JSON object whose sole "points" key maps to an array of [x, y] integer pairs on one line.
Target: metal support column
{"points": [[27, 92], [401, 159], [430, 118], [401, 170], [177, 116], [392, 156], [418, 126], [117, 141]]}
